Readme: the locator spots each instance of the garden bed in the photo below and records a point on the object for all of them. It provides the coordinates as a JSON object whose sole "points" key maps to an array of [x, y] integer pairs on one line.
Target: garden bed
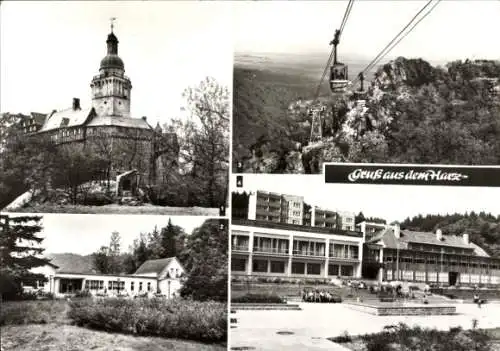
{"points": [[177, 318], [401, 337]]}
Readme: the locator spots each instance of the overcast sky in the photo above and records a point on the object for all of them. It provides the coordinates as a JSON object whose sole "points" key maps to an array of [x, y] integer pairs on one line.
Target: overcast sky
{"points": [[51, 50], [391, 202], [454, 29], [85, 233]]}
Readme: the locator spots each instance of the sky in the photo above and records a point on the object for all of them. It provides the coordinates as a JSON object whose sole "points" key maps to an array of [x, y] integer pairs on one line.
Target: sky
{"points": [[453, 30], [390, 202], [51, 50], [85, 233]]}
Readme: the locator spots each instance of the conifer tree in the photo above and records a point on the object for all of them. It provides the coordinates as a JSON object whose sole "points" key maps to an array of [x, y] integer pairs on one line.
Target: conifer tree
{"points": [[19, 252]]}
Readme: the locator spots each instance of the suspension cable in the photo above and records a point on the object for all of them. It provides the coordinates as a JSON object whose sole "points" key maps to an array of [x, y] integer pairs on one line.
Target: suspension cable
{"points": [[329, 61], [400, 36]]}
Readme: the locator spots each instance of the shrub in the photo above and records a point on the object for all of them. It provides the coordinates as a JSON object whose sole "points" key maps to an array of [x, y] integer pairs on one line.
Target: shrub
{"points": [[83, 293], [95, 199], [342, 339], [174, 318], [420, 339], [257, 298], [32, 312]]}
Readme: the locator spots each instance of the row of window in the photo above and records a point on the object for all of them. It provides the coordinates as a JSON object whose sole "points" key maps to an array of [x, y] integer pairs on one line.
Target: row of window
{"points": [[279, 267], [113, 285], [433, 260], [433, 248]]}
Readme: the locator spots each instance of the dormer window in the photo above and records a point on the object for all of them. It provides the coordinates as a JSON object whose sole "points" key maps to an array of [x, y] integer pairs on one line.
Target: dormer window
{"points": [[64, 122]]}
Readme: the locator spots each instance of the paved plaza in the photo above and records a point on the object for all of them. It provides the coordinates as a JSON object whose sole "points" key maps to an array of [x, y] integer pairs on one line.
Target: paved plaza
{"points": [[257, 330]]}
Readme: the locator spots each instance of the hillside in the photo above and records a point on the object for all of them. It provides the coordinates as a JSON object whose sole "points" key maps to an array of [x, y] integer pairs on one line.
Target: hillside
{"points": [[483, 228], [414, 113], [69, 262]]}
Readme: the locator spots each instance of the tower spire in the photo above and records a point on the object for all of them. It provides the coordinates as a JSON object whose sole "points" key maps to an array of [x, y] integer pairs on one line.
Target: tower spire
{"points": [[112, 20]]}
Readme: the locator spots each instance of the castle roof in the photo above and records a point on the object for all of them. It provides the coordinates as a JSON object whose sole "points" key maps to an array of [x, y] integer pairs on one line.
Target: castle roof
{"points": [[67, 118], [119, 122]]}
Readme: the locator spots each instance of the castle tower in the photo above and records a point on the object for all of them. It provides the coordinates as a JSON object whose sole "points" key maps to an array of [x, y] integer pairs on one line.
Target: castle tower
{"points": [[111, 88]]}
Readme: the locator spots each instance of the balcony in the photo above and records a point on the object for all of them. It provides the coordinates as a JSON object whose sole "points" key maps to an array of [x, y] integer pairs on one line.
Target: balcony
{"points": [[344, 256], [270, 250], [241, 247], [309, 253]]}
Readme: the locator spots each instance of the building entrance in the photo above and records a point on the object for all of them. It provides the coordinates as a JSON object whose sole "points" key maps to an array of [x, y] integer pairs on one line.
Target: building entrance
{"points": [[452, 278]]}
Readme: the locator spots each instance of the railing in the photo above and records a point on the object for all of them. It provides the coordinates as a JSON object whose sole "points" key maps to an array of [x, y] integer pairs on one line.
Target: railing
{"points": [[240, 247], [313, 253], [274, 250], [344, 256]]}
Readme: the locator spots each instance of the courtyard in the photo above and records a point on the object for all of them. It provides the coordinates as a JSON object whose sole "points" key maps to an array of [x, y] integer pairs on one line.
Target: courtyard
{"points": [[310, 327]]}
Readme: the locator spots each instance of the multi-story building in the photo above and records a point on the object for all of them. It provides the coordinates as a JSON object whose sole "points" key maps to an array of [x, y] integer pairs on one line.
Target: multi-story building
{"points": [[263, 248], [324, 218], [392, 253], [268, 206], [346, 220], [282, 208]]}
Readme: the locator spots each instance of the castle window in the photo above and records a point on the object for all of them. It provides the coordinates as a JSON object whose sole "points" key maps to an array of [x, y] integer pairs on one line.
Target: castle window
{"points": [[64, 122]]}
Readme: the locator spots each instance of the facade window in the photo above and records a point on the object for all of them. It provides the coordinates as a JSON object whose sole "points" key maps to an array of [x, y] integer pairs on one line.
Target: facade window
{"points": [[131, 286], [94, 284], [277, 267], [314, 268], [149, 286], [259, 266], [333, 269], [238, 264], [140, 286], [346, 271], [354, 251], [298, 267], [116, 285]]}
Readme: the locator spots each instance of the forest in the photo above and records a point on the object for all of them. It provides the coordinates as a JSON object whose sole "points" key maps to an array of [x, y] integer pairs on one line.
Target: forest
{"points": [[415, 113]]}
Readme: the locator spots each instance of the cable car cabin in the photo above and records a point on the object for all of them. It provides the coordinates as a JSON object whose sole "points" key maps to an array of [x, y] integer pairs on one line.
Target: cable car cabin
{"points": [[338, 78]]}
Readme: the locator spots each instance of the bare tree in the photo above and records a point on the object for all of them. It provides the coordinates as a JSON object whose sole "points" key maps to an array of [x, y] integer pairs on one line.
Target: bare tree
{"points": [[204, 139]]}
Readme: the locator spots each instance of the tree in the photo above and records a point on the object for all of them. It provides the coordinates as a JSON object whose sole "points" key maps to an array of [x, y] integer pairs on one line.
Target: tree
{"points": [[26, 161], [204, 142], [205, 258], [359, 218], [76, 167], [114, 253], [19, 253], [101, 261], [170, 236]]}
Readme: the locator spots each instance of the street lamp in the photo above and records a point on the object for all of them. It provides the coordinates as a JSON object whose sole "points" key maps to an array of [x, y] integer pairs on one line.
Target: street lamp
{"points": [[397, 260]]}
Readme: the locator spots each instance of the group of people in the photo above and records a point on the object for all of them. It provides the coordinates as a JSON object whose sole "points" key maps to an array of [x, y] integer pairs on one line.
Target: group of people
{"points": [[319, 296]]}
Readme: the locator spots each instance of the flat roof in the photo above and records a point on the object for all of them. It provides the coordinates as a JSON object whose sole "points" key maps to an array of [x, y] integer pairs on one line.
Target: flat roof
{"points": [[107, 275], [295, 227]]}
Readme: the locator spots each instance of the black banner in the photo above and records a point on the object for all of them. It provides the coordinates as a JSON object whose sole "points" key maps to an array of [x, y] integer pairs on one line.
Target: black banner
{"points": [[361, 173]]}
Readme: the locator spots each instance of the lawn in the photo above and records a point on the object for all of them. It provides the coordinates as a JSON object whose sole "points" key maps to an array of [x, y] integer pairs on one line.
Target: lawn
{"points": [[45, 326], [54, 337], [121, 209]]}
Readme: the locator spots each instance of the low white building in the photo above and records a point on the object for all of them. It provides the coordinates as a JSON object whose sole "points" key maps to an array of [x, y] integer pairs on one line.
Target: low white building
{"points": [[261, 248], [162, 276]]}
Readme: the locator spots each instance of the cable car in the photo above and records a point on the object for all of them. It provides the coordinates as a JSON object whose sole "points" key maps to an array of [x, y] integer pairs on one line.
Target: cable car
{"points": [[338, 71]]}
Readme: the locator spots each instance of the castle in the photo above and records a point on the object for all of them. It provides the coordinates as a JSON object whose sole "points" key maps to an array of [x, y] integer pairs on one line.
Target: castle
{"points": [[108, 130]]}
